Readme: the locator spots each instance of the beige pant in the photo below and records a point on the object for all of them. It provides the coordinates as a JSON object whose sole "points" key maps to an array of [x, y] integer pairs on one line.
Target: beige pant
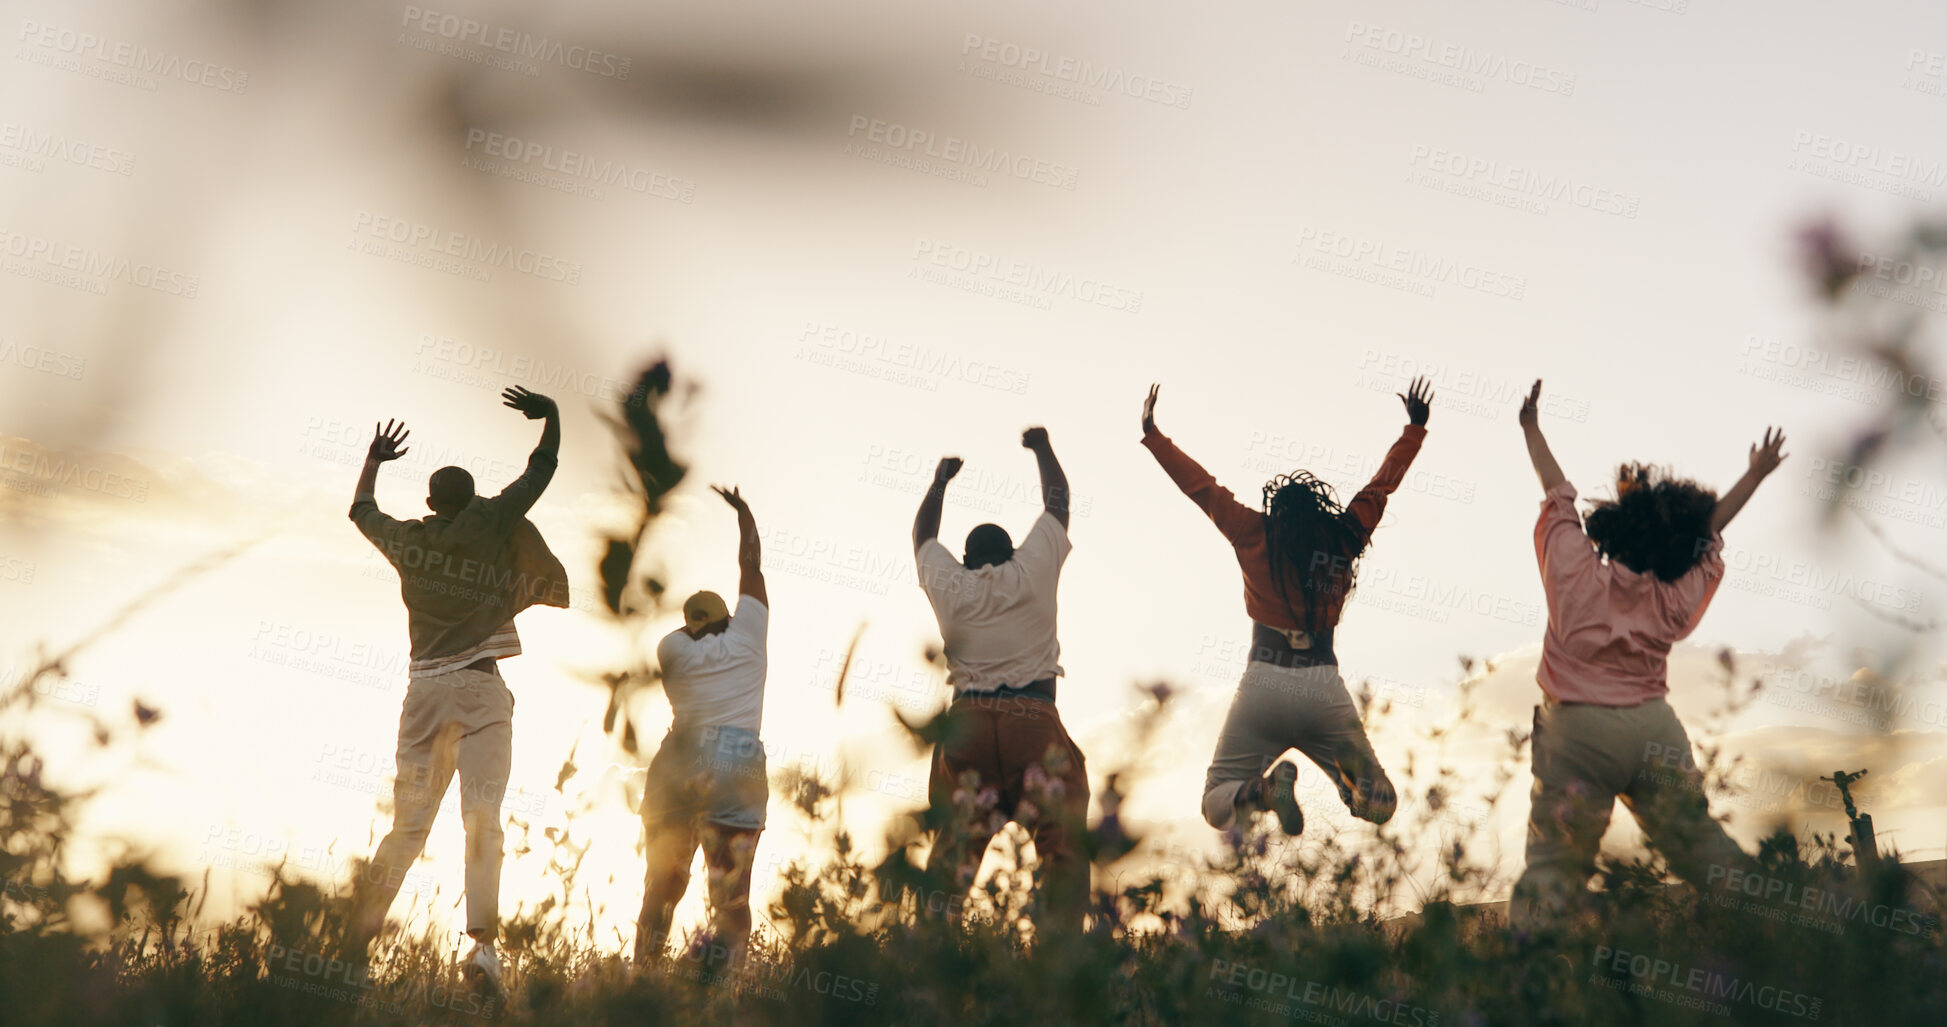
{"points": [[706, 788], [460, 721], [1587, 757], [1279, 708]]}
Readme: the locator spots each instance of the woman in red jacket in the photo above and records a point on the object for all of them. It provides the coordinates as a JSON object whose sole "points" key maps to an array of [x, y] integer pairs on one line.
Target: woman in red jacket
{"points": [[1299, 556]]}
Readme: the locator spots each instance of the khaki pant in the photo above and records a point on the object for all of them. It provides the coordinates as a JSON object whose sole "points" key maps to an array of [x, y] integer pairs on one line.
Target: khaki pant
{"points": [[460, 721], [728, 853], [706, 789], [1027, 770], [1279, 708], [1585, 758]]}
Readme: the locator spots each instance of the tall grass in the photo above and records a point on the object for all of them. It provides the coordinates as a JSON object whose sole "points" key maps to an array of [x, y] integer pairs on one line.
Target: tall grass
{"points": [[1276, 931]]}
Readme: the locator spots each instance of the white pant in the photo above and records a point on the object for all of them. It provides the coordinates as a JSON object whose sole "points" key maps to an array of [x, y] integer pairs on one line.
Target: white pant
{"points": [[460, 721], [1278, 708]]}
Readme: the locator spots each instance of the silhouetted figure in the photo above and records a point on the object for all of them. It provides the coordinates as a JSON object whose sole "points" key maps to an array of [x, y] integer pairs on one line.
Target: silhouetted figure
{"points": [[1621, 591], [1865, 845], [1004, 754], [707, 785], [1300, 557], [464, 573]]}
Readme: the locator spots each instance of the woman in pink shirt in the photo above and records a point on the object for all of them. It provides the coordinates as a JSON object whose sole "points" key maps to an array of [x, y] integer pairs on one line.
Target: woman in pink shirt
{"points": [[1621, 591]]}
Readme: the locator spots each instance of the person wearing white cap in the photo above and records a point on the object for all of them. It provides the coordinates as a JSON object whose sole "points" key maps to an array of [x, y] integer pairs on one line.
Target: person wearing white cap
{"points": [[707, 784]]}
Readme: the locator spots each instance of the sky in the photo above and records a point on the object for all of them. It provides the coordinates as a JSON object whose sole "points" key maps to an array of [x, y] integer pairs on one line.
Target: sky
{"points": [[236, 234]]}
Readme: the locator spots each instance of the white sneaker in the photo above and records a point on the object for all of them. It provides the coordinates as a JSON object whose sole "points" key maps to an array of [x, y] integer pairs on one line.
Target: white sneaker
{"points": [[482, 966]]}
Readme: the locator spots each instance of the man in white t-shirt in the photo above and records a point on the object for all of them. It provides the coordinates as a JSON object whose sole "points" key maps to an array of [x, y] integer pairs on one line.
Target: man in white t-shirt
{"points": [[1004, 754], [707, 784]]}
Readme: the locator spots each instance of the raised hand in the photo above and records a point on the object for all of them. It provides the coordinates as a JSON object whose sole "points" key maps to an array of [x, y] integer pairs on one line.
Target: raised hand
{"points": [[1530, 407], [533, 404], [1149, 410], [949, 466], [750, 546], [1035, 439], [1418, 398], [1766, 456], [385, 442]]}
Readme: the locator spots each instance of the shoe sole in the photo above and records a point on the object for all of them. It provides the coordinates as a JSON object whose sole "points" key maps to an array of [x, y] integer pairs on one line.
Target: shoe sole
{"points": [[1358, 803], [481, 981], [1284, 799]]}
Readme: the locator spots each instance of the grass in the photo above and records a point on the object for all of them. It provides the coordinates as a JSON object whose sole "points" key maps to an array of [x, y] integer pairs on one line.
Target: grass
{"points": [[1274, 932]]}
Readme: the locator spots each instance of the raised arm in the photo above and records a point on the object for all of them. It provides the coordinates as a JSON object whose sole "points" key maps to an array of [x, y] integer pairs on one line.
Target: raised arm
{"points": [[1230, 516], [372, 522], [536, 407], [750, 547], [384, 448], [926, 526], [526, 490], [1765, 458], [1054, 483], [1370, 504], [1546, 468]]}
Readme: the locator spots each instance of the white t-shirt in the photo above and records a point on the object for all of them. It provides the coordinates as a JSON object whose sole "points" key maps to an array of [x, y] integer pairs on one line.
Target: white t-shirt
{"points": [[998, 621], [718, 680]]}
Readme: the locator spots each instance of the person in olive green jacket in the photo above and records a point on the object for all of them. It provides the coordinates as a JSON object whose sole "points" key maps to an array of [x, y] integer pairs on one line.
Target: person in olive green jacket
{"points": [[464, 572]]}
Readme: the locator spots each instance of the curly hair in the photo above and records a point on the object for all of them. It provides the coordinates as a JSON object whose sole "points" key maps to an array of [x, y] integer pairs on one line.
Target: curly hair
{"points": [[1310, 545], [1657, 524]]}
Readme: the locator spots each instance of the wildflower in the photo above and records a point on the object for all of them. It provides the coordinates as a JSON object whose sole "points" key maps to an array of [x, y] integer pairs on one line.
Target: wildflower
{"points": [[1822, 252]]}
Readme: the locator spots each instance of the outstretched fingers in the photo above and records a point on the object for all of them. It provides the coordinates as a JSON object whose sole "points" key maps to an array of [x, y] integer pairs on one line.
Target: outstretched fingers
{"points": [[1766, 455], [1417, 399], [386, 439]]}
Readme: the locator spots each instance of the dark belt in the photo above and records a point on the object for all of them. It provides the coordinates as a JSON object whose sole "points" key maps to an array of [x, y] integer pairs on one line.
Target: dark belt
{"points": [[1554, 703], [1269, 645], [1042, 689]]}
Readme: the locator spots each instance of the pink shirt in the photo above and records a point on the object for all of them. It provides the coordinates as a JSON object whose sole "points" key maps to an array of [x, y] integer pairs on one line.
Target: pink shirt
{"points": [[1609, 628]]}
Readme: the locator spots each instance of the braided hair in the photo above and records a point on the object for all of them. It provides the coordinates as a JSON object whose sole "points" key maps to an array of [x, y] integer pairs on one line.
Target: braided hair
{"points": [[1657, 524], [1311, 546]]}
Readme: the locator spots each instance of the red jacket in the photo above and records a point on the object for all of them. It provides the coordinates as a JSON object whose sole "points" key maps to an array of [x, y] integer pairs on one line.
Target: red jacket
{"points": [[1244, 526]]}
